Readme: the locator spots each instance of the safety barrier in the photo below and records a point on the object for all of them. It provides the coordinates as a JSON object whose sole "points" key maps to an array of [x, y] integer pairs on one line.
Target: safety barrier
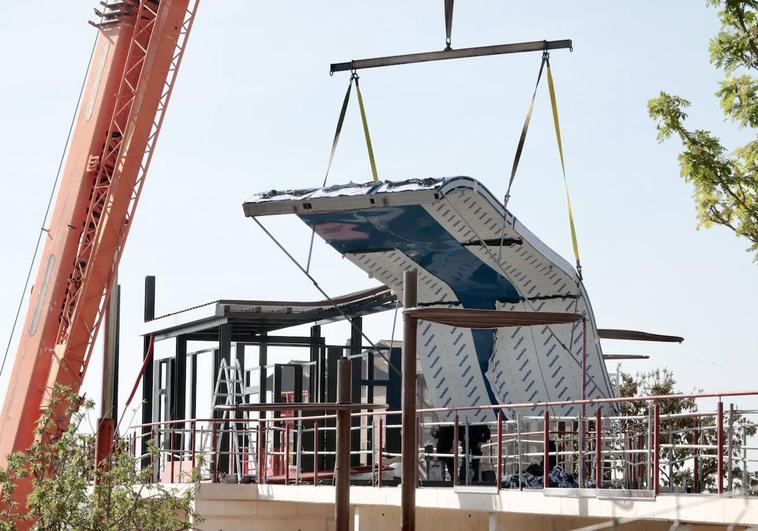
{"points": [[637, 446]]}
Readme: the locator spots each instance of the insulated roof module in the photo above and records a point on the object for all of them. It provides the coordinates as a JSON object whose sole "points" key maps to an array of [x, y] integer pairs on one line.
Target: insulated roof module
{"points": [[469, 253]]}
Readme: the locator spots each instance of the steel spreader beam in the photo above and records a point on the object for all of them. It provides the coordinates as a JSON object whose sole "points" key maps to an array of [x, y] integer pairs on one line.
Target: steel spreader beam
{"points": [[461, 53]]}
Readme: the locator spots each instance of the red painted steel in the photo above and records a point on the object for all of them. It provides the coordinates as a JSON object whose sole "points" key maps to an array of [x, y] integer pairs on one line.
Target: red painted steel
{"points": [[103, 446], [128, 86], [261, 453]]}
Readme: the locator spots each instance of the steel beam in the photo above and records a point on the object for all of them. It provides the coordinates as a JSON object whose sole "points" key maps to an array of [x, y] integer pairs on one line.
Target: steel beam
{"points": [[461, 53]]}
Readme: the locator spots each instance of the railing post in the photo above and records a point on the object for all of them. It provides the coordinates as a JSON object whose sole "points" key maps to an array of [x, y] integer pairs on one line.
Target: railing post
{"points": [[286, 453], [598, 448], [299, 449], [171, 452], [499, 473], [656, 446], [214, 457], [582, 446], [380, 459], [546, 450], [261, 443], [315, 452], [745, 474], [696, 459], [193, 439], [729, 448], [720, 446], [454, 471], [156, 459], [649, 447], [518, 449], [467, 452]]}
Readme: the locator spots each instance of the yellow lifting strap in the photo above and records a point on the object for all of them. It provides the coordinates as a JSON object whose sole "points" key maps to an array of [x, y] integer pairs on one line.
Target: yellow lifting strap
{"points": [[371, 159], [556, 122]]}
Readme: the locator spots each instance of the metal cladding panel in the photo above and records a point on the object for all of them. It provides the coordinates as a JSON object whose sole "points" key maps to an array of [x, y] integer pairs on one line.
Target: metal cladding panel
{"points": [[469, 253]]}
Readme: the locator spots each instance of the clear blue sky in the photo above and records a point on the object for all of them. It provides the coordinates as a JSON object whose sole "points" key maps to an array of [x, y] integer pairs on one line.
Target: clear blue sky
{"points": [[255, 108]]}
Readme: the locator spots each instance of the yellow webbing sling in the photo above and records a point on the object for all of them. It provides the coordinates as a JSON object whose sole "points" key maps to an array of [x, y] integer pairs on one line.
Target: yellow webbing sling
{"points": [[556, 122], [335, 141], [371, 159]]}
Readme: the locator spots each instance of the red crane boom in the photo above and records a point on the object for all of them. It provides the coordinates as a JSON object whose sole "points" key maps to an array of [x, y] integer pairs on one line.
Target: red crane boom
{"points": [[138, 51]]}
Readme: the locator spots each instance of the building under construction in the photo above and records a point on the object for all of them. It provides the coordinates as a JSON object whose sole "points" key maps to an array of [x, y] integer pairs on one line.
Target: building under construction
{"points": [[491, 409]]}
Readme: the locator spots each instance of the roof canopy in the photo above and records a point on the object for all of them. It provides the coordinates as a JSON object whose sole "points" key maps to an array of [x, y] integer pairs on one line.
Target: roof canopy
{"points": [[468, 318]]}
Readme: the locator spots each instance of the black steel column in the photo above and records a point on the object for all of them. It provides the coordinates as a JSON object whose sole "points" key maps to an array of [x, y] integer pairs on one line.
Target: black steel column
{"points": [[356, 363], [193, 388], [224, 352], [147, 376], [333, 355], [239, 354], [314, 367], [409, 455], [179, 390], [394, 399], [342, 467]]}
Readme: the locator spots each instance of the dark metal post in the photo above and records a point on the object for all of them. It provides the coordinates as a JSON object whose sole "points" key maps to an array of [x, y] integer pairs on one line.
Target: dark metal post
{"points": [[546, 450], [261, 440], [454, 471], [214, 453], [356, 362], [315, 452], [656, 446], [315, 369], [598, 448], [720, 446], [193, 387], [224, 352], [408, 494], [342, 461], [499, 473], [286, 452], [178, 395], [379, 460], [696, 464], [147, 376]]}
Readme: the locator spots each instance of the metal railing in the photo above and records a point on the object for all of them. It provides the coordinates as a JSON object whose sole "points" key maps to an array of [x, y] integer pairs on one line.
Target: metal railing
{"points": [[631, 444]]}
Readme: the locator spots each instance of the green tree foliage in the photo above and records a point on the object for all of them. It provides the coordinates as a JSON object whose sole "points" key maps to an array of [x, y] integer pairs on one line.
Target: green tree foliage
{"points": [[725, 183], [69, 492], [680, 425]]}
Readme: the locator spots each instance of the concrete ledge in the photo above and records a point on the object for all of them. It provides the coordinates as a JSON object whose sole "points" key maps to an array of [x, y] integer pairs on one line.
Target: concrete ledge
{"points": [[668, 507]]}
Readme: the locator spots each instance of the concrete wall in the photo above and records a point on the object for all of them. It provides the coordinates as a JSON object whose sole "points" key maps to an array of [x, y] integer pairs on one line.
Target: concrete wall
{"points": [[280, 508]]}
